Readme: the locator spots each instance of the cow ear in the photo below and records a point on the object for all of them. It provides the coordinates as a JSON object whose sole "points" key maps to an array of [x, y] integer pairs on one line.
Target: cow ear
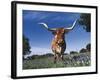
{"points": [[66, 31], [53, 32]]}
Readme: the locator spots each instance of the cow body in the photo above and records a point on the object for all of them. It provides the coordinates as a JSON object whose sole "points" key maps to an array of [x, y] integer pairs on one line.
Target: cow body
{"points": [[58, 44]]}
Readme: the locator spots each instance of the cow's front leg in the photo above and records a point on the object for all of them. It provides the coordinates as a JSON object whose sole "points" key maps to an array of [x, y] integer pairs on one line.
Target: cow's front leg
{"points": [[55, 58], [62, 57]]}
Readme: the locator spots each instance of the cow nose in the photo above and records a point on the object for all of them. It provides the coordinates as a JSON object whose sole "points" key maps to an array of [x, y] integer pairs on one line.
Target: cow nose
{"points": [[60, 41]]}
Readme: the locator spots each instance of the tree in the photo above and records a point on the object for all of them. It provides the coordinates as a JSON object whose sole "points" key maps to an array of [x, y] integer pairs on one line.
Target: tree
{"points": [[83, 50], [88, 47], [73, 52], [26, 46], [85, 20]]}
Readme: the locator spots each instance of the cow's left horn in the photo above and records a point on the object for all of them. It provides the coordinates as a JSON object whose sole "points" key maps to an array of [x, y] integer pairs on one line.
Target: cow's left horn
{"points": [[70, 28]]}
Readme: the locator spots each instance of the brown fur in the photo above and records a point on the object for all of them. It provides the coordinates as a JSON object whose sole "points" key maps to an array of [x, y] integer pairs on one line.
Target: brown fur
{"points": [[59, 44]]}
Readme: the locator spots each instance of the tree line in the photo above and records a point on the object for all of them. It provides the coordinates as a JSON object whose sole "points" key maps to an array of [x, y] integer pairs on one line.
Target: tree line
{"points": [[83, 50]]}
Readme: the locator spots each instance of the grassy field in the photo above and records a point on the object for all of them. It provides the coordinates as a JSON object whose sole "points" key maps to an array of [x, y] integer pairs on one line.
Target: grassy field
{"points": [[73, 60]]}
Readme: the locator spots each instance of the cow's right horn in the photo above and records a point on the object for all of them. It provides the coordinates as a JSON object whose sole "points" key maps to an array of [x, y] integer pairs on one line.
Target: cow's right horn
{"points": [[46, 26]]}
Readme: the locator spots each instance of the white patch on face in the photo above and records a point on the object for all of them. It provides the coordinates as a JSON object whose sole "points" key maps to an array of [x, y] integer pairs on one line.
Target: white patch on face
{"points": [[56, 36], [59, 49]]}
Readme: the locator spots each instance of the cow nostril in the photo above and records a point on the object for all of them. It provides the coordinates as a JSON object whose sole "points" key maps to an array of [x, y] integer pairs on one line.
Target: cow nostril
{"points": [[60, 41]]}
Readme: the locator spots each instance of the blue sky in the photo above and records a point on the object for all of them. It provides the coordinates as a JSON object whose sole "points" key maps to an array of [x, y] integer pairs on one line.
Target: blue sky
{"points": [[40, 38]]}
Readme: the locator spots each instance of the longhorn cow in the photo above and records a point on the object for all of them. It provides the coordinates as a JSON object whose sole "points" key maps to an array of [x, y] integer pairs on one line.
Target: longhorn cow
{"points": [[58, 43]]}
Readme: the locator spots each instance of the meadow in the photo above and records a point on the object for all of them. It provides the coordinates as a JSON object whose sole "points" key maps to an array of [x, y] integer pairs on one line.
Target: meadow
{"points": [[46, 61]]}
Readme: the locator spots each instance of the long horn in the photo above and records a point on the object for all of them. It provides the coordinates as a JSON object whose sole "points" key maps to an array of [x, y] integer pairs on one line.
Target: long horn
{"points": [[46, 26], [70, 28]]}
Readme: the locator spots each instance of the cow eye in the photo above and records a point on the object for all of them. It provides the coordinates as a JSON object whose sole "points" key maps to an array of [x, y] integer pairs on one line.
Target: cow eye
{"points": [[53, 32]]}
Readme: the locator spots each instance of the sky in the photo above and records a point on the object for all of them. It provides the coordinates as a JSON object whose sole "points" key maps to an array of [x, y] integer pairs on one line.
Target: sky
{"points": [[40, 38]]}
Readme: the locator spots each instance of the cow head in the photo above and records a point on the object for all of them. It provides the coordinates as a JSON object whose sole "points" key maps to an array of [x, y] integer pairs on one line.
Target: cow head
{"points": [[59, 35]]}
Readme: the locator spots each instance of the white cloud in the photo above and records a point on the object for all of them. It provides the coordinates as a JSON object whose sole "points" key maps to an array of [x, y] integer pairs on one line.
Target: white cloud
{"points": [[35, 15], [40, 51]]}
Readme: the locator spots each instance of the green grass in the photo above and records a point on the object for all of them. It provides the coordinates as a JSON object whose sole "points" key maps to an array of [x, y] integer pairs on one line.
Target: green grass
{"points": [[47, 62]]}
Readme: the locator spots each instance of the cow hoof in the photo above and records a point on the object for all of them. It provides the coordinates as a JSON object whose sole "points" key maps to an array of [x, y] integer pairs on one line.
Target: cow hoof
{"points": [[54, 62]]}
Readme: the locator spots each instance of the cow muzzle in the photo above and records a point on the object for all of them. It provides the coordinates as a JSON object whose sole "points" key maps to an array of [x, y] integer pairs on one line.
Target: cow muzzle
{"points": [[60, 42]]}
